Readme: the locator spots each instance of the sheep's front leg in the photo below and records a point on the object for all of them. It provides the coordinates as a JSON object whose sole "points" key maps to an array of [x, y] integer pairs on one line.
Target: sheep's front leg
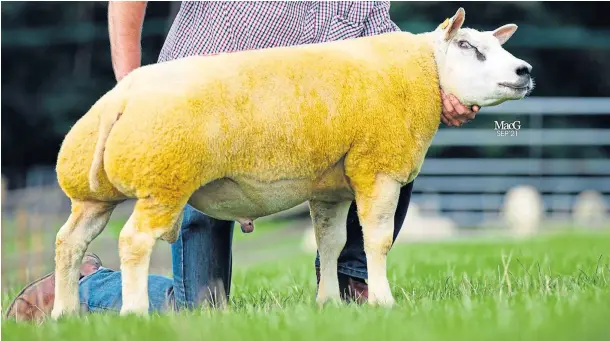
{"points": [[150, 221], [376, 209], [329, 221]]}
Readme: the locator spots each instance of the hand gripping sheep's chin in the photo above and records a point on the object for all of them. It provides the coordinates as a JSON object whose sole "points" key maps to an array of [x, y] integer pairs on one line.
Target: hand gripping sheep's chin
{"points": [[279, 127]]}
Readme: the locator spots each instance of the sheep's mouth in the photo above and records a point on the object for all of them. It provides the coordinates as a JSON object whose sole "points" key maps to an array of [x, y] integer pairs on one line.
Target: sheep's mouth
{"points": [[522, 86]]}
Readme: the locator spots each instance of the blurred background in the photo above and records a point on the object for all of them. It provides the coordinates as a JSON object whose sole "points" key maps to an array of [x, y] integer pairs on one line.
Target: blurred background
{"points": [[551, 173]]}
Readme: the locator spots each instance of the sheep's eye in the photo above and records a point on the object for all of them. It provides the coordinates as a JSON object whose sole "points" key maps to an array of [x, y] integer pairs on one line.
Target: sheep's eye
{"points": [[463, 44]]}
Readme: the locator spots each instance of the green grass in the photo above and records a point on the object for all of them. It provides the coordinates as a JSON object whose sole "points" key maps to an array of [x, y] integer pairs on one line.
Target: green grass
{"points": [[554, 287]]}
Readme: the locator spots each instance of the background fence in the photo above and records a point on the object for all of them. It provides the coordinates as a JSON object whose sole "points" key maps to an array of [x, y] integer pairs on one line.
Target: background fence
{"points": [[471, 190]]}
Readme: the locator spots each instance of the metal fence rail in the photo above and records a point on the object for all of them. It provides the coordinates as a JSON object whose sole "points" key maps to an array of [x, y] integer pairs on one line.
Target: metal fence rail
{"points": [[552, 106], [497, 166], [524, 137]]}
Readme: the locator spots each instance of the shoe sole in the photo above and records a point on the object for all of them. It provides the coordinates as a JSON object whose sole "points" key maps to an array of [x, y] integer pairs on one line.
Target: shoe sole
{"points": [[18, 296]]}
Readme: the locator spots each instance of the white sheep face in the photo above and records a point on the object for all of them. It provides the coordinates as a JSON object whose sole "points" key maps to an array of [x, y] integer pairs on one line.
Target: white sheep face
{"points": [[475, 67]]}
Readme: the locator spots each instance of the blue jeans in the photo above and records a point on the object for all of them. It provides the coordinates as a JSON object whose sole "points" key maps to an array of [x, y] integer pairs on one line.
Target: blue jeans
{"points": [[202, 264]]}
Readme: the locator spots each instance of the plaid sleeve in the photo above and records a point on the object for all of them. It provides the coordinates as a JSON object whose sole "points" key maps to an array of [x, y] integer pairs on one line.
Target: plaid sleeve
{"points": [[378, 20]]}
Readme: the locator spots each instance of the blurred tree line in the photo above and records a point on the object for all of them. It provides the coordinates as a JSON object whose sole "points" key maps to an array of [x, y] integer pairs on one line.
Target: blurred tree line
{"points": [[56, 62]]}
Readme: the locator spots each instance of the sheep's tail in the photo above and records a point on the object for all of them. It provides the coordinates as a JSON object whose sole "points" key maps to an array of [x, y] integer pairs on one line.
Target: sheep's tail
{"points": [[111, 105], [107, 121]]}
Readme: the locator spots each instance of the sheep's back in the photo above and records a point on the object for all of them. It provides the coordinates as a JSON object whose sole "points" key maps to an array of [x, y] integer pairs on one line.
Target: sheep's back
{"points": [[292, 112]]}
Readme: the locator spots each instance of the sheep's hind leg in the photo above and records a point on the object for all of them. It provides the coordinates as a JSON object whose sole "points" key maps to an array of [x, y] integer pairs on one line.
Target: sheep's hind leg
{"points": [[87, 220], [151, 220], [329, 221]]}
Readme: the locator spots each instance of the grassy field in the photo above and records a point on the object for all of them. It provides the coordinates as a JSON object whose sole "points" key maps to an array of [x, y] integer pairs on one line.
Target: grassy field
{"points": [[554, 287]]}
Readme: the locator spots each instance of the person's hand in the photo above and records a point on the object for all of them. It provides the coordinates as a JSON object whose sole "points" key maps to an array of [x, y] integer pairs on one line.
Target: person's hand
{"points": [[455, 113]]}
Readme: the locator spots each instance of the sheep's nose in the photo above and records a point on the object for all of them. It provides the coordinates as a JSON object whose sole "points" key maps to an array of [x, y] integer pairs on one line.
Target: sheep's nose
{"points": [[524, 70]]}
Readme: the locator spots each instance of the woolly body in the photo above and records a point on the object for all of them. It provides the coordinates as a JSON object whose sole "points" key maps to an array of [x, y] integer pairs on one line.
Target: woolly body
{"points": [[248, 134]]}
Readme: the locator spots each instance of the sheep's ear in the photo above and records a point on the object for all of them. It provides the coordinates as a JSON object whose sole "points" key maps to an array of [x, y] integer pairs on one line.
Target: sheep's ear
{"points": [[505, 32], [451, 26]]}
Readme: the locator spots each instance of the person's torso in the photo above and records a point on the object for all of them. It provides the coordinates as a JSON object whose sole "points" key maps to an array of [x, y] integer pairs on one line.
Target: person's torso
{"points": [[221, 27]]}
